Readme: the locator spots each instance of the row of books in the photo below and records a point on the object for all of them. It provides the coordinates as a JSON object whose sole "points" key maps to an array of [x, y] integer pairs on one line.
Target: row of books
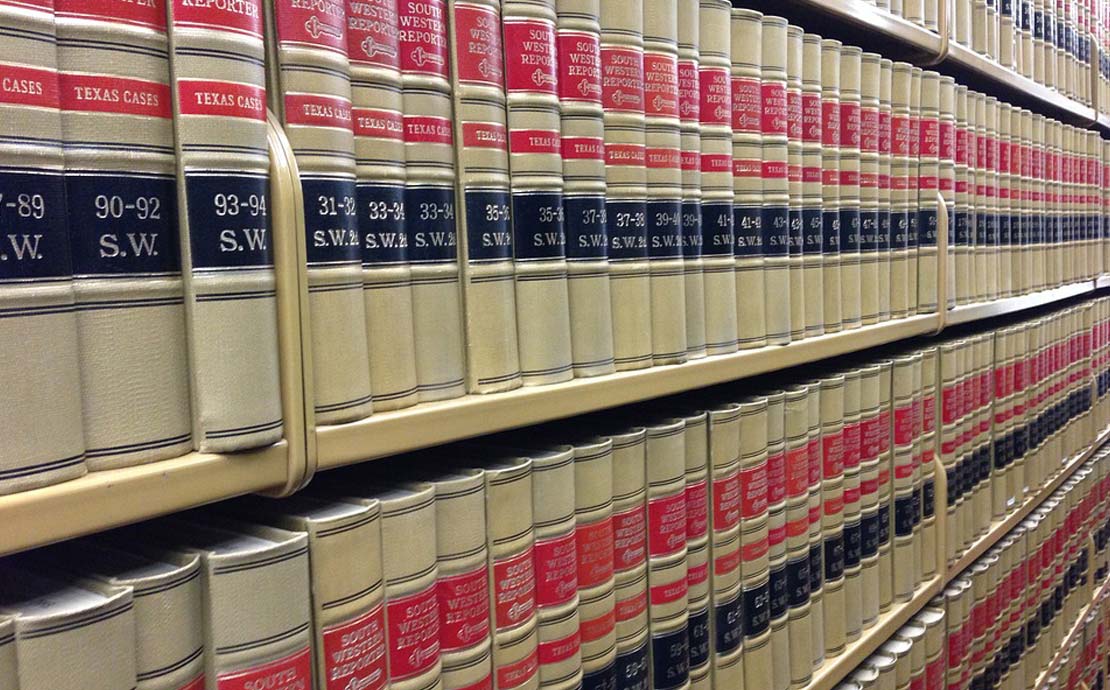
{"points": [[1084, 660], [743, 534], [1003, 620]]}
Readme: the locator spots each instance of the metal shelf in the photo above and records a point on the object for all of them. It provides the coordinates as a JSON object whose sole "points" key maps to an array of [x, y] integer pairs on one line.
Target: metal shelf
{"points": [[431, 424], [1102, 281], [1010, 305]]}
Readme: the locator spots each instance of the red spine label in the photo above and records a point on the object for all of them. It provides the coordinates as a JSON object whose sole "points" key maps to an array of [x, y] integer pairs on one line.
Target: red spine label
{"points": [[318, 24], [383, 124], [832, 447], [811, 118], [555, 651], [901, 134], [28, 86], [595, 552], [413, 633], [663, 158], [221, 98], [797, 472], [660, 85], [486, 135], [293, 672], [624, 154], [667, 593], [697, 509], [666, 524], [813, 454], [478, 45], [850, 125], [853, 453], [519, 672], [313, 110], [514, 589], [726, 502], [753, 491], [99, 94], [629, 538], [427, 129], [354, 652], [726, 562], [869, 130], [697, 575], [534, 141], [776, 478], [627, 609], [240, 16], [930, 138], [622, 79], [747, 105], [372, 34], [463, 608], [716, 96], [830, 123], [530, 56], [579, 148], [579, 67], [774, 109], [422, 37], [598, 627], [556, 570], [689, 91], [150, 13], [794, 116]]}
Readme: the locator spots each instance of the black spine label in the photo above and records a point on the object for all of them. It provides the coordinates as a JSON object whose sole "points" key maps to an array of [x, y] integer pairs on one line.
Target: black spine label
{"points": [[586, 226], [716, 228], [757, 609], [775, 223], [627, 227], [748, 231], [849, 230], [381, 220], [430, 224], [797, 582], [728, 624], [670, 659], [538, 232], [698, 629], [632, 669], [229, 222], [330, 221], [692, 237], [830, 232], [664, 222], [812, 231], [489, 231]]}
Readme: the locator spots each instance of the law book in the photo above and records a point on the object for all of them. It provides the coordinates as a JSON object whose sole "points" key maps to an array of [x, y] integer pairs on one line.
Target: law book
{"points": [[913, 182], [578, 39], [633, 668], [347, 592], [715, 115], [482, 193], [1023, 49], [121, 209], [949, 445], [884, 233], [795, 178], [245, 571], [886, 483], [799, 622], [310, 91], [992, 237], [726, 598], [853, 525], [536, 176], [429, 199], [696, 493], [754, 542], [39, 294], [928, 186], [217, 56], [815, 536], [165, 587], [929, 398], [776, 539], [1028, 217], [849, 181], [377, 122], [831, 402], [982, 210], [830, 184], [1003, 193], [775, 205], [901, 206], [1006, 34], [918, 479], [663, 161], [622, 97], [812, 192], [630, 557], [870, 286], [747, 170], [946, 181], [9, 673], [55, 617], [689, 105], [870, 468]]}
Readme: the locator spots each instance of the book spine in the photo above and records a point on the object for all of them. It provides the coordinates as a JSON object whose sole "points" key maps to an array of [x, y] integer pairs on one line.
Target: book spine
{"points": [[39, 282], [715, 115], [999, 476], [832, 513], [949, 446], [977, 164], [830, 183], [815, 536], [870, 287], [849, 181], [430, 199], [1040, 211], [961, 223], [913, 184], [1006, 34], [373, 51], [583, 150], [776, 540], [870, 467], [696, 492], [1005, 194], [663, 154], [535, 164], [310, 74], [1028, 219], [556, 566], [946, 181], [726, 626], [812, 241], [900, 172], [853, 525], [462, 586], [117, 129], [989, 144], [484, 225], [799, 622], [689, 103], [668, 618], [222, 197], [630, 558], [754, 543], [794, 173], [747, 171], [1025, 50], [928, 185], [594, 538], [885, 225], [622, 98], [918, 471], [928, 462], [1039, 48], [886, 485], [775, 204]]}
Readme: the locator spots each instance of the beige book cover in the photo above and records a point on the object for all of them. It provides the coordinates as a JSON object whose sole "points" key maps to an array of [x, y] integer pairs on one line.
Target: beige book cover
{"points": [[245, 572], [622, 100], [668, 620], [482, 195], [536, 176], [55, 618], [794, 174], [9, 672], [167, 597], [310, 90], [43, 331], [849, 179], [689, 113], [715, 114], [216, 57], [665, 458], [990, 167], [774, 207], [376, 115], [918, 469], [1003, 194], [902, 204], [429, 199], [885, 233], [960, 227], [832, 293], [696, 441], [747, 176], [798, 633], [832, 512], [812, 238], [663, 160], [122, 215], [946, 183], [815, 468], [725, 623], [347, 587], [869, 171], [754, 538], [578, 40], [853, 527], [777, 553], [912, 184], [928, 185], [929, 440], [982, 216]]}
